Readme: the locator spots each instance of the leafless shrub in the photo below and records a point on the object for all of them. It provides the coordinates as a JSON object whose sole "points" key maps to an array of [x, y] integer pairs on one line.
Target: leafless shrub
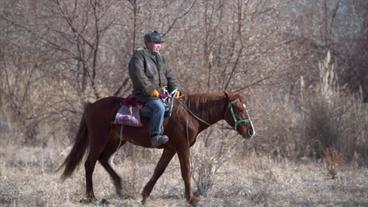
{"points": [[131, 158], [204, 168], [132, 181], [203, 175], [279, 125], [260, 198], [333, 160], [323, 117], [334, 119], [209, 156], [9, 193]]}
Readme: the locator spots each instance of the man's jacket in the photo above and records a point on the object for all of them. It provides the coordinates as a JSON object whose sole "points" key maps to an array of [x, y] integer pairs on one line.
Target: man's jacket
{"points": [[149, 72]]}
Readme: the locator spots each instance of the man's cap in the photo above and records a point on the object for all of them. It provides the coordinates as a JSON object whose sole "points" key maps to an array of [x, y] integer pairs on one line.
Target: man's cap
{"points": [[153, 36]]}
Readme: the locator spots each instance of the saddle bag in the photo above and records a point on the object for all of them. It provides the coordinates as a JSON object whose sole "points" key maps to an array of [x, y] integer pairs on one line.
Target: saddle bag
{"points": [[129, 116]]}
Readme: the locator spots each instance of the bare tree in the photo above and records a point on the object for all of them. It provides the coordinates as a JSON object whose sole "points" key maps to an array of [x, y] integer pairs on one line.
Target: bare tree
{"points": [[80, 49]]}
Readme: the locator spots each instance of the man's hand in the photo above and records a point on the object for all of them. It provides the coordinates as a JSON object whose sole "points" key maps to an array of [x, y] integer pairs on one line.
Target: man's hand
{"points": [[155, 93]]}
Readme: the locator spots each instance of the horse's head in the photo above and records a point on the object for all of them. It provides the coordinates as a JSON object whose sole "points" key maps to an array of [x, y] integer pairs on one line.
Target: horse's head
{"points": [[237, 116]]}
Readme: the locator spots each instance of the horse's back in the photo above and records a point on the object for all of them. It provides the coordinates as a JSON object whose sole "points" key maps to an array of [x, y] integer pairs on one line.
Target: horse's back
{"points": [[108, 100], [103, 110]]}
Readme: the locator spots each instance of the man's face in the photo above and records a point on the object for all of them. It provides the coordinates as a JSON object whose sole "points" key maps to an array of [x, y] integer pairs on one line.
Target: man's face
{"points": [[154, 47]]}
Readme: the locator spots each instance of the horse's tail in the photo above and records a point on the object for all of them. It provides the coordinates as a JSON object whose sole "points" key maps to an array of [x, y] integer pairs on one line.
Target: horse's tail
{"points": [[76, 154]]}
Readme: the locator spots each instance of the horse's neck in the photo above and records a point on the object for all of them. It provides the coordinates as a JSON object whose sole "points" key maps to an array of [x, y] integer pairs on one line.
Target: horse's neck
{"points": [[209, 108]]}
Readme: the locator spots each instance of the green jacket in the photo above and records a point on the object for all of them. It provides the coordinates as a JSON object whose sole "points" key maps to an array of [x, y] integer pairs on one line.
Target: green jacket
{"points": [[148, 72]]}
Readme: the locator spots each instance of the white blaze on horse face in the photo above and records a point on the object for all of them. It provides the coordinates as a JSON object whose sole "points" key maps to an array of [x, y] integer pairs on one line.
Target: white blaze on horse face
{"points": [[251, 123]]}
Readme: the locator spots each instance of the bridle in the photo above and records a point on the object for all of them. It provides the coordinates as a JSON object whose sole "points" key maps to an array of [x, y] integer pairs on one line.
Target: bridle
{"points": [[236, 119]]}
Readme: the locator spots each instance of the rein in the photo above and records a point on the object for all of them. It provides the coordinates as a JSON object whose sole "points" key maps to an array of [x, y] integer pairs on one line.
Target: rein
{"points": [[193, 114]]}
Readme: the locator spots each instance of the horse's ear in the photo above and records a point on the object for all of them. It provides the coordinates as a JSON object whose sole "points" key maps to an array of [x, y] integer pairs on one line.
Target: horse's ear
{"points": [[226, 95], [229, 95]]}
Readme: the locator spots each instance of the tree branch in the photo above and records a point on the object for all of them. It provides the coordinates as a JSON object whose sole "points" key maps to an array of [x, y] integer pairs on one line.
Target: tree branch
{"points": [[178, 18]]}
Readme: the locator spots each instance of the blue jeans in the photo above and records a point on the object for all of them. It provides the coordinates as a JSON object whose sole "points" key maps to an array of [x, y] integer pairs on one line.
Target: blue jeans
{"points": [[155, 110]]}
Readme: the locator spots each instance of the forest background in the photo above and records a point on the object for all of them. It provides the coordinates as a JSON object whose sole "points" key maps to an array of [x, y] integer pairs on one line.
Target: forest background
{"points": [[302, 65]]}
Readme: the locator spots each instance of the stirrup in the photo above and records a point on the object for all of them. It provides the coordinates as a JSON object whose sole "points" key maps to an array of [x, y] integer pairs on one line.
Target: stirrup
{"points": [[159, 139]]}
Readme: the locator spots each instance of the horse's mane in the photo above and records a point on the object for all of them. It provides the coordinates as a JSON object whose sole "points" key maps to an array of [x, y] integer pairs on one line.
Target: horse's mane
{"points": [[206, 105]]}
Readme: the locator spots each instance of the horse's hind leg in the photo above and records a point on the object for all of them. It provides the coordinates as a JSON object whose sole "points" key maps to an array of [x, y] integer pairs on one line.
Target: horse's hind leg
{"points": [[166, 157], [98, 140], [89, 166], [104, 160]]}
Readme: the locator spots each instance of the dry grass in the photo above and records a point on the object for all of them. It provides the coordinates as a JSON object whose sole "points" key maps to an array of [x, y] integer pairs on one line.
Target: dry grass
{"points": [[28, 179]]}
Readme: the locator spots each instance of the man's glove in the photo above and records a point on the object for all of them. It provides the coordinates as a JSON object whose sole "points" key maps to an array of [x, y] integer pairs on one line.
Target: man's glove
{"points": [[155, 93]]}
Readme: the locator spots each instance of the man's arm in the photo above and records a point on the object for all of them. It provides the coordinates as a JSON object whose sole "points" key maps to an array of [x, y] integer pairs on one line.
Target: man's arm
{"points": [[172, 82]]}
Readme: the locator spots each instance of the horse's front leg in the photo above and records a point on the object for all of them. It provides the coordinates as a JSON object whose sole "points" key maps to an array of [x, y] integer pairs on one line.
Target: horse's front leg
{"points": [[184, 158], [166, 157]]}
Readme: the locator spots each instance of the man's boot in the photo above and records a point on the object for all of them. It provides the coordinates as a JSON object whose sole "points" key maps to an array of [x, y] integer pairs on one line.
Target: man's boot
{"points": [[159, 139]]}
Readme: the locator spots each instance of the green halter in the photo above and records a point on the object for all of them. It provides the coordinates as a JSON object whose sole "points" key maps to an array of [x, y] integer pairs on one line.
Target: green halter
{"points": [[236, 120]]}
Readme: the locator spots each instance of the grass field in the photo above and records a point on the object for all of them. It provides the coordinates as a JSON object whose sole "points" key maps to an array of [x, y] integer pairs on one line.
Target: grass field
{"points": [[28, 178]]}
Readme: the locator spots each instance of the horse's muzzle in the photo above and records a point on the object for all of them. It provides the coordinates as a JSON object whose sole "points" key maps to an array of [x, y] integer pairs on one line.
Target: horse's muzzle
{"points": [[250, 133]]}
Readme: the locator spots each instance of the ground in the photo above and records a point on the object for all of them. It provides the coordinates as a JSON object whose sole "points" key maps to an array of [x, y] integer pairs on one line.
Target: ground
{"points": [[28, 178]]}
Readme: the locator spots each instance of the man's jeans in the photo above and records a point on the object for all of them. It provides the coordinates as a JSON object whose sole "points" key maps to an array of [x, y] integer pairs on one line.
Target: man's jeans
{"points": [[155, 110]]}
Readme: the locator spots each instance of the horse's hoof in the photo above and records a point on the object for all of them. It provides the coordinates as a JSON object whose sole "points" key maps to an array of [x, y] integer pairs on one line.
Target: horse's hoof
{"points": [[193, 200], [144, 199], [125, 196], [121, 194], [104, 202], [88, 200]]}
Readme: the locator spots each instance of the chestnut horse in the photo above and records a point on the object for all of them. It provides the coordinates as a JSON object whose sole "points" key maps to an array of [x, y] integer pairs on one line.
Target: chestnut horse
{"points": [[191, 115]]}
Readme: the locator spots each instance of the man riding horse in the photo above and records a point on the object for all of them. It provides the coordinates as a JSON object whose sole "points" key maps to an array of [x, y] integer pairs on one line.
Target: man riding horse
{"points": [[150, 74], [100, 138]]}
